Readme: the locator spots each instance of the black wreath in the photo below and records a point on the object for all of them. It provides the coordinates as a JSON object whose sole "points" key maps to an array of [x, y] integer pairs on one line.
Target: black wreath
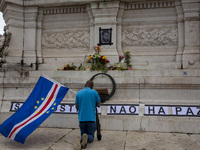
{"points": [[102, 96]]}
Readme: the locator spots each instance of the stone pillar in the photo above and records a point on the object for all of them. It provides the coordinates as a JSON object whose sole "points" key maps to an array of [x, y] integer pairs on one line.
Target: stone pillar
{"points": [[191, 53], [13, 16], [92, 36], [22, 23], [105, 16], [39, 59], [30, 35], [119, 28], [181, 35]]}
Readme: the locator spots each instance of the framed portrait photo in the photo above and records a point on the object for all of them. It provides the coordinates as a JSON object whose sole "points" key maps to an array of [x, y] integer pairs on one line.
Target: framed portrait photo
{"points": [[105, 36]]}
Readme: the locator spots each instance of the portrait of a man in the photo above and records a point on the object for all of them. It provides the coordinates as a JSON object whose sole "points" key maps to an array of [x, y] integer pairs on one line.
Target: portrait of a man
{"points": [[105, 36]]}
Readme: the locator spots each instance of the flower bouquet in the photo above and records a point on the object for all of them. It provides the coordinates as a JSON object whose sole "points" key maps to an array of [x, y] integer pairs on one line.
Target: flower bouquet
{"points": [[98, 62]]}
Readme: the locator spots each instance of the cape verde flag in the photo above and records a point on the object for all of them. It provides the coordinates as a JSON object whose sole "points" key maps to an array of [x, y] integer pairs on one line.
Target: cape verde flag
{"points": [[40, 104]]}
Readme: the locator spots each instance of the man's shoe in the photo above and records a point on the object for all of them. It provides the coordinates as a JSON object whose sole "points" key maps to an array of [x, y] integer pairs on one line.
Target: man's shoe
{"points": [[84, 141], [78, 143]]}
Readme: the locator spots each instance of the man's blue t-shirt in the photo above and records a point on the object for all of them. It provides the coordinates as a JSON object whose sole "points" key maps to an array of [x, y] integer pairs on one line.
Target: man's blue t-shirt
{"points": [[86, 100]]}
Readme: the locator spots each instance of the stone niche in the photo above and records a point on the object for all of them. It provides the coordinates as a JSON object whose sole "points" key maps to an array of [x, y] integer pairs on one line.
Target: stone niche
{"points": [[65, 35], [150, 32], [161, 35]]}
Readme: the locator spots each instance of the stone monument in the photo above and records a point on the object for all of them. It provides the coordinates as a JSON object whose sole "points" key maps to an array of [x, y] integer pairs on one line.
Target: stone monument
{"points": [[4, 44], [162, 91]]}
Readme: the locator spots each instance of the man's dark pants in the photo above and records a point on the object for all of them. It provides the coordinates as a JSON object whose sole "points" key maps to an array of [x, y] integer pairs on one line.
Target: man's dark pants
{"points": [[89, 128]]}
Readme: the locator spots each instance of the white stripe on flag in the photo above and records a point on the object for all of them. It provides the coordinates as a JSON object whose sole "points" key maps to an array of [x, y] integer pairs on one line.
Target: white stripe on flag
{"points": [[35, 115]]}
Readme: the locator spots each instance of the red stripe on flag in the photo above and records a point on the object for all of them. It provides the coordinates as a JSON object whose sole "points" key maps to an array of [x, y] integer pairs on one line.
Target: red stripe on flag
{"points": [[47, 103]]}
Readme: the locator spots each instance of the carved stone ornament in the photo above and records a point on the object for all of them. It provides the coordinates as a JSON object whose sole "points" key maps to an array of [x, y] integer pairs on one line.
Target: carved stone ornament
{"points": [[4, 44], [150, 36], [150, 4], [66, 40]]}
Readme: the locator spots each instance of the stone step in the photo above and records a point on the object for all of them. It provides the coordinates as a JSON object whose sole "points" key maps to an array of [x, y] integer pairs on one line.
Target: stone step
{"points": [[157, 65], [114, 73], [133, 78], [124, 122]]}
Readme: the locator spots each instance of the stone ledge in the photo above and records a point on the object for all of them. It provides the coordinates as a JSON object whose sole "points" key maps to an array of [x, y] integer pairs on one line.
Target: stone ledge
{"points": [[119, 73], [124, 79], [131, 123]]}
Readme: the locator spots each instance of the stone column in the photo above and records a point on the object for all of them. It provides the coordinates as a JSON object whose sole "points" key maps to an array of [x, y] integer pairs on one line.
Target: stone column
{"points": [[105, 16], [22, 23], [13, 16], [181, 35], [119, 28], [39, 59], [30, 35], [92, 41], [191, 53]]}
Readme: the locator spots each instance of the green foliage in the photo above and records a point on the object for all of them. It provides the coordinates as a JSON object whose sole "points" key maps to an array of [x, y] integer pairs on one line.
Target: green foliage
{"points": [[98, 63], [127, 59], [69, 67]]}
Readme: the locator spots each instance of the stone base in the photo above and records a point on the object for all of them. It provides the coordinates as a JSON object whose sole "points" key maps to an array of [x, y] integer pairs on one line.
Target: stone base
{"points": [[166, 88], [131, 123]]}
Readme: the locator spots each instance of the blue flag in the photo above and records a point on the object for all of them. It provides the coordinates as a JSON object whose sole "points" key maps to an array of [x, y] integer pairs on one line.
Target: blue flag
{"points": [[40, 104]]}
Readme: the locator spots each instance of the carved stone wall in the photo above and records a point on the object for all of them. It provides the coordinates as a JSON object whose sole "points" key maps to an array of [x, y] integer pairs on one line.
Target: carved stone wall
{"points": [[66, 40], [150, 36], [150, 33], [65, 35], [150, 4], [73, 23], [168, 30], [149, 24], [64, 10]]}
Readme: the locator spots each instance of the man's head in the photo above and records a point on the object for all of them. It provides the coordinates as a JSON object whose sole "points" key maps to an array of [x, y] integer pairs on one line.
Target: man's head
{"points": [[89, 83]]}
